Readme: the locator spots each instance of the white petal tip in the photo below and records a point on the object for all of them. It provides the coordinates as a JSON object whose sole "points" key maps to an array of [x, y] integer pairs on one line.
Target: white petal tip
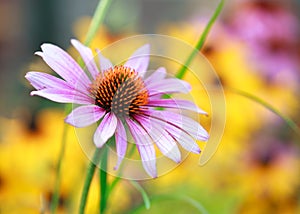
{"points": [[200, 111], [68, 121], [99, 143], [204, 136], [196, 151], [188, 86], [27, 75], [152, 174], [177, 161], [116, 167], [46, 45], [145, 49], [39, 53], [33, 93], [74, 41], [147, 46]]}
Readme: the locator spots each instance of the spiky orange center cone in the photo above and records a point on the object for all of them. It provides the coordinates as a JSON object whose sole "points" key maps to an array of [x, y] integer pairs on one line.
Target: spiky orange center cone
{"points": [[120, 90]]}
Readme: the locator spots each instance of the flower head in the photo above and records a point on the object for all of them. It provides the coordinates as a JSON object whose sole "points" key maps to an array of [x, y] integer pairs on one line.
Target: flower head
{"points": [[271, 31], [122, 98]]}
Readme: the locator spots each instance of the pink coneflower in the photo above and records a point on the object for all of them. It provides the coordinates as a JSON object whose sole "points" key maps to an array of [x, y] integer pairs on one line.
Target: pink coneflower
{"points": [[122, 99], [271, 31]]}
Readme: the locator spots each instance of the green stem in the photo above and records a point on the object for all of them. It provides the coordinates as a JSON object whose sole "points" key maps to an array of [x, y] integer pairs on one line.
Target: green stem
{"points": [[201, 41], [55, 198], [88, 180], [103, 181], [256, 99], [118, 178], [97, 20], [143, 193]]}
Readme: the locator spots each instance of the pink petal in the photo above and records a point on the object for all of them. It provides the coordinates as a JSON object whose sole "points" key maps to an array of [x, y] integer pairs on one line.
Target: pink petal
{"points": [[185, 140], [139, 60], [41, 80], [121, 143], [105, 63], [105, 130], [145, 147], [87, 56], [176, 129], [63, 96], [64, 65], [85, 115], [181, 122], [174, 103], [157, 75], [168, 86], [161, 138], [187, 124]]}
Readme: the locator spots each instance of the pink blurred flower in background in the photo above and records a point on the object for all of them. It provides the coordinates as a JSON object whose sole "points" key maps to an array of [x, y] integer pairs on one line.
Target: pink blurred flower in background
{"points": [[271, 32]]}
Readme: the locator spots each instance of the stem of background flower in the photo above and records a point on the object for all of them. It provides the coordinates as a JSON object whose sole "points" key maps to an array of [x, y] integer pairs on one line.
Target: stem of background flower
{"points": [[97, 20], [103, 179], [268, 106], [55, 196], [201, 41], [88, 179]]}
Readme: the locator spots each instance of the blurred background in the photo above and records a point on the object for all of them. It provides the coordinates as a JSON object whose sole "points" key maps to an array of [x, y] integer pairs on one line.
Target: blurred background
{"points": [[254, 47]]}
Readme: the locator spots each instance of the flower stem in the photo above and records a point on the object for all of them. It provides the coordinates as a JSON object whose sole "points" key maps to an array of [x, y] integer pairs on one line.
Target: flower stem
{"points": [[97, 20], [103, 181], [55, 198], [88, 179], [118, 177], [201, 40], [268, 106]]}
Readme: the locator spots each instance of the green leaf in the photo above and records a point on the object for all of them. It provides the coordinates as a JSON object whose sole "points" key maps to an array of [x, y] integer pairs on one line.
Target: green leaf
{"points": [[201, 40], [260, 101]]}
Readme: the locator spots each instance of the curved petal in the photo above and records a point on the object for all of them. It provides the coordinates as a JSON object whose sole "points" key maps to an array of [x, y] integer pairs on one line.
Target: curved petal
{"points": [[41, 80], [85, 115], [176, 129], [186, 124], [63, 96], [168, 86], [185, 140], [87, 56], [65, 66], [174, 103], [105, 130], [121, 143], [139, 60], [105, 63], [156, 76], [161, 138], [145, 147]]}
